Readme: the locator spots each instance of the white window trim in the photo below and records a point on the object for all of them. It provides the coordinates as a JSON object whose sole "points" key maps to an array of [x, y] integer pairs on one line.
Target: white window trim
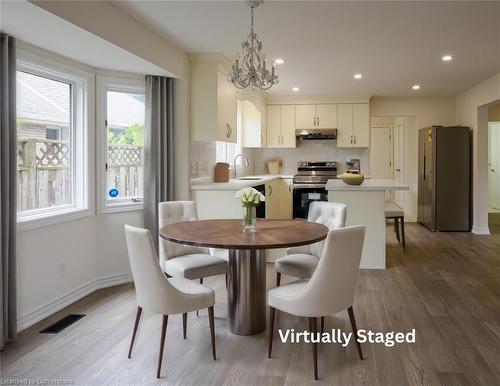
{"points": [[104, 84], [83, 107]]}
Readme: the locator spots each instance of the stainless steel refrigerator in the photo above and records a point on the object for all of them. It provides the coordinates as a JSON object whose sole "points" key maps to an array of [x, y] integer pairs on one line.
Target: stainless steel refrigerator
{"points": [[444, 178]]}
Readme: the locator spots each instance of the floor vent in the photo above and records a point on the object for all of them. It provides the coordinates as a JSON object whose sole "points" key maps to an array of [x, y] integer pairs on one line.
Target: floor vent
{"points": [[61, 324]]}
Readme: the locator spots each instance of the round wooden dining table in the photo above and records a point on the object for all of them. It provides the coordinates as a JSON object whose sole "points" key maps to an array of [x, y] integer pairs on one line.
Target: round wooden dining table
{"points": [[246, 287]]}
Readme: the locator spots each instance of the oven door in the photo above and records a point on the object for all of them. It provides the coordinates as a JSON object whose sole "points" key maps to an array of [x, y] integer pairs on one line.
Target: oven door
{"points": [[304, 195]]}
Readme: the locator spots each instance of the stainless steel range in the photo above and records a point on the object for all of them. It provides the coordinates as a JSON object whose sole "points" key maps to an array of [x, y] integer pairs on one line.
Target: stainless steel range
{"points": [[309, 184]]}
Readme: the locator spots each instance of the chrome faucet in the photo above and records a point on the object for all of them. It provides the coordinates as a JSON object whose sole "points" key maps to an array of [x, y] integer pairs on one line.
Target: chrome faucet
{"points": [[247, 163]]}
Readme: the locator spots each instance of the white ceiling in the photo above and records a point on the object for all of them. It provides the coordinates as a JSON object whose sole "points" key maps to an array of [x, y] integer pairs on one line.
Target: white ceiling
{"points": [[40, 28], [393, 44]]}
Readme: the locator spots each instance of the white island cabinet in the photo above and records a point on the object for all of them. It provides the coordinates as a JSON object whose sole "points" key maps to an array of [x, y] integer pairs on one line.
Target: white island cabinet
{"points": [[366, 206]]}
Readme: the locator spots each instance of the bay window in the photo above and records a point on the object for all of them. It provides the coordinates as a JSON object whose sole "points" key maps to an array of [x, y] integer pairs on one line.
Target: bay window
{"points": [[121, 111], [52, 141]]}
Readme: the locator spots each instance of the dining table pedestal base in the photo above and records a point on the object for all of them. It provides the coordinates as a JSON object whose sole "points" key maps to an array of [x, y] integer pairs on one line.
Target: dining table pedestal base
{"points": [[246, 289]]}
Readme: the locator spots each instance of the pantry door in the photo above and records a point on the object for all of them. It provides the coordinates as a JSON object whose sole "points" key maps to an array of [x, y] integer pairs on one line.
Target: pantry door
{"points": [[494, 165]]}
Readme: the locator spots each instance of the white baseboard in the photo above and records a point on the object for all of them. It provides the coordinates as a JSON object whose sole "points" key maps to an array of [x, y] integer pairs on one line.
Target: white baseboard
{"points": [[481, 230], [45, 311]]}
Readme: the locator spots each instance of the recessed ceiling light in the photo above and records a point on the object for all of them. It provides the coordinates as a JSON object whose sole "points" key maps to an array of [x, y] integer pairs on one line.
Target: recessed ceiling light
{"points": [[358, 76], [447, 58], [416, 87], [279, 61], [295, 89]]}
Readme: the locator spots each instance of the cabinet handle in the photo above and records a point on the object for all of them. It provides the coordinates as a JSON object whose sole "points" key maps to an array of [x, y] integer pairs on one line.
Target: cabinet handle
{"points": [[228, 128], [351, 139], [314, 121], [355, 139], [270, 190], [317, 121]]}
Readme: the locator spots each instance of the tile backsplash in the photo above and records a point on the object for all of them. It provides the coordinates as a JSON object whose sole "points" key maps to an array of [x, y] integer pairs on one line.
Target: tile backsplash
{"points": [[320, 150], [203, 157]]}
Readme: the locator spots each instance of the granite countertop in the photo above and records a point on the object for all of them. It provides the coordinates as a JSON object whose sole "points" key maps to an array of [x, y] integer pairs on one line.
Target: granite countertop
{"points": [[239, 183], [373, 184]]}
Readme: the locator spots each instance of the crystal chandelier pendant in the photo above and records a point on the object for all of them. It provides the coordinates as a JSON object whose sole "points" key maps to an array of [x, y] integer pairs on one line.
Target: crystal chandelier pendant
{"points": [[252, 69]]}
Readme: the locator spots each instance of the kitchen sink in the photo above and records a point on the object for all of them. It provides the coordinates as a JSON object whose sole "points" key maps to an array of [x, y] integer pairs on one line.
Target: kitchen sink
{"points": [[250, 178]]}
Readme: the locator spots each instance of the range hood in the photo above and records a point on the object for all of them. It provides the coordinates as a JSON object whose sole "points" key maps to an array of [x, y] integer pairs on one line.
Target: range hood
{"points": [[308, 134]]}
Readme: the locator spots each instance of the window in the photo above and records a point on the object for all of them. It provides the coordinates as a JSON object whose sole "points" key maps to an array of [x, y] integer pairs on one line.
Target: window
{"points": [[52, 143], [51, 133], [122, 104]]}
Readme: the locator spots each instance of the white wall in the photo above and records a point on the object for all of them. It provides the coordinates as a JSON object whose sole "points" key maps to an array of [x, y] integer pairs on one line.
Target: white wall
{"points": [[92, 249], [471, 107]]}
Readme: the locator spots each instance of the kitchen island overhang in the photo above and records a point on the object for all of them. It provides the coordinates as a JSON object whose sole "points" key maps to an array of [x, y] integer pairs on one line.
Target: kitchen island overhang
{"points": [[366, 206]]}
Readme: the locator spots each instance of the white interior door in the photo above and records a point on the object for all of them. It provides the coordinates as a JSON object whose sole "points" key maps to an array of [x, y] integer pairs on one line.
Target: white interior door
{"points": [[381, 154], [399, 152], [494, 165]]}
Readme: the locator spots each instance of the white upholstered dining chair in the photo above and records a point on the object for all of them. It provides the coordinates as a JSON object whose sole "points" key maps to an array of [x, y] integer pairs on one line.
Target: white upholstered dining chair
{"points": [[158, 294], [330, 289], [301, 261], [180, 260]]}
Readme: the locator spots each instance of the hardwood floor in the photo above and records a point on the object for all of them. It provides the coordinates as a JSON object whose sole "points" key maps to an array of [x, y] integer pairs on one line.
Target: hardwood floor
{"points": [[446, 286]]}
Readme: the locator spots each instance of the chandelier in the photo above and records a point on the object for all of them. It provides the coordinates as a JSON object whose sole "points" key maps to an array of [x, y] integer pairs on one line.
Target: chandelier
{"points": [[252, 70]]}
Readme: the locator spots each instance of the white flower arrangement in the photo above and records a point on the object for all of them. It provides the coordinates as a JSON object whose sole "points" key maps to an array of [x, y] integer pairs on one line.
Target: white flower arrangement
{"points": [[250, 197]]}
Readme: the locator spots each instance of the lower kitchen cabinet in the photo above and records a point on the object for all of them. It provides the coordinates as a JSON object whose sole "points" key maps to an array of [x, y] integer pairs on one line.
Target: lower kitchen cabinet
{"points": [[279, 199], [273, 200]]}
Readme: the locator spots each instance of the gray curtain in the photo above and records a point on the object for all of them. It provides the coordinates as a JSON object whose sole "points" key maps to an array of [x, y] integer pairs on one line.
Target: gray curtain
{"points": [[8, 170], [158, 149]]}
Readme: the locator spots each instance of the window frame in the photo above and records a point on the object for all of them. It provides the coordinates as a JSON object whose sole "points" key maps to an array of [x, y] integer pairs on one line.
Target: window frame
{"points": [[82, 115], [103, 85]]}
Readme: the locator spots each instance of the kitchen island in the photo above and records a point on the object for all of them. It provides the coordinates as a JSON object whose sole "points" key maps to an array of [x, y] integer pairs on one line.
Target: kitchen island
{"points": [[366, 206]]}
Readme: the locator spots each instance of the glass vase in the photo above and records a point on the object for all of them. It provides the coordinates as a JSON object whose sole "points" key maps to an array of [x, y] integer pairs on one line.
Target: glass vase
{"points": [[249, 219]]}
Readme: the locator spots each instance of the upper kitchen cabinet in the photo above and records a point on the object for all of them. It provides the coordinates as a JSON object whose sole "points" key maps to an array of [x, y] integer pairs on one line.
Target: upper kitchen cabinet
{"points": [[305, 116], [320, 116], [213, 101], [281, 126], [353, 128]]}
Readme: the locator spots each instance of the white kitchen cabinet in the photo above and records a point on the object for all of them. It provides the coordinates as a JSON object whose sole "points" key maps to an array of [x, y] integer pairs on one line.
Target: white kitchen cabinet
{"points": [[213, 102], [281, 126], [322, 116], [273, 125], [288, 126], [326, 116], [353, 128], [305, 116], [361, 124], [344, 127]]}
